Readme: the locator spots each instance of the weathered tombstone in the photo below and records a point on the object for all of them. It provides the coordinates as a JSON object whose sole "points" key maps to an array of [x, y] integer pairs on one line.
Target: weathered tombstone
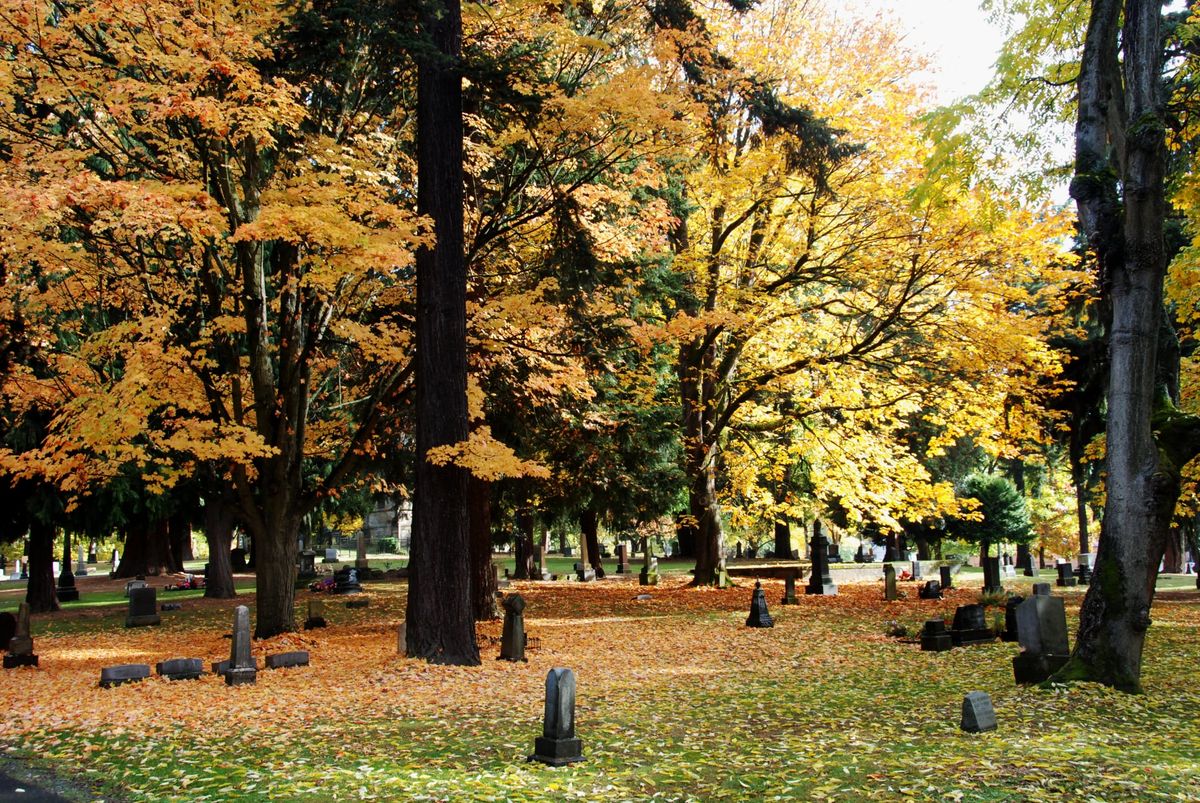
{"points": [[1009, 570], [180, 668], [820, 582], [512, 639], [947, 579], [583, 572], [308, 564], [81, 563], [143, 608], [931, 590], [649, 574], [889, 583], [916, 569], [346, 581], [116, 560], [20, 646], [1042, 633], [1085, 568], [286, 660], [1028, 569], [1041, 589], [789, 591], [1066, 578], [558, 744], [539, 558], [331, 556], [722, 575], [970, 626], [138, 582], [242, 669], [622, 558], [123, 673], [91, 555], [759, 617], [499, 582], [935, 637], [1011, 626], [316, 615], [977, 713], [360, 550], [991, 576]]}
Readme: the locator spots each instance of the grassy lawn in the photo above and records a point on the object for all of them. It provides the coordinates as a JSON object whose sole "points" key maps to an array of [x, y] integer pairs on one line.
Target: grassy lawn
{"points": [[677, 701]]}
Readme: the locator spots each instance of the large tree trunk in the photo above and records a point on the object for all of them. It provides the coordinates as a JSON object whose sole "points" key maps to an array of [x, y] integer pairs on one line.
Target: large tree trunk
{"points": [[524, 545], [783, 539], [1173, 552], [1079, 478], [589, 526], [179, 539], [40, 591], [275, 570], [1141, 489], [147, 551], [218, 533], [439, 625], [710, 543], [483, 586]]}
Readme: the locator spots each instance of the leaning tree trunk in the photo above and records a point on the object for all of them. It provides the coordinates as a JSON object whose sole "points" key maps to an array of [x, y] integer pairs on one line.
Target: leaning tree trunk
{"points": [[40, 591], [483, 584], [439, 624], [218, 533]]}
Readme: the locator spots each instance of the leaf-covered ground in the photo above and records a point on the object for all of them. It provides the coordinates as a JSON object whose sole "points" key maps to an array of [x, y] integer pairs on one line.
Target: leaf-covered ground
{"points": [[677, 700]]}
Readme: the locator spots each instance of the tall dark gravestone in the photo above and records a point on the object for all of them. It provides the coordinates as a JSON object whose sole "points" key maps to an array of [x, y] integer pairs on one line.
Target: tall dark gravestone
{"points": [[946, 577], [242, 669], [890, 593], [970, 626], [512, 639], [789, 591], [143, 608], [991, 576], [1066, 577], [558, 744], [622, 558], [935, 637], [820, 582], [1011, 625], [1042, 633]]}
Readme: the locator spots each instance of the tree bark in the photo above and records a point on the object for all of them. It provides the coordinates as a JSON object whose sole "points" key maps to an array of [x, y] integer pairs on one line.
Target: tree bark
{"points": [[179, 539], [483, 585], [589, 526], [524, 545], [40, 591], [218, 533], [439, 624], [783, 539], [147, 551]]}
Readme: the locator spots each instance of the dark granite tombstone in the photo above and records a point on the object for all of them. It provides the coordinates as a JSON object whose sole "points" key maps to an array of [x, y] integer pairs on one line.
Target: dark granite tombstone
{"points": [[935, 637], [931, 590], [860, 554], [820, 581], [1066, 578], [1042, 633], [991, 576], [759, 617], [123, 673], [24, 573], [622, 558], [287, 660], [512, 638], [19, 649], [915, 569], [308, 564], [242, 669], [835, 554], [789, 591], [1041, 589], [890, 593], [1084, 573], [180, 668], [649, 573], [66, 590], [970, 626], [1027, 568], [143, 608], [1010, 618], [977, 713], [947, 579], [737, 553], [345, 581], [237, 560], [316, 615], [558, 744]]}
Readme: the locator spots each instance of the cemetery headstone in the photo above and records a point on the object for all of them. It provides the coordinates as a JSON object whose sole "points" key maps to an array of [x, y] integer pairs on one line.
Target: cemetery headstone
{"points": [[238, 560], [1042, 633], [916, 570], [1066, 578], [1041, 589], [970, 626], [180, 668], [738, 551], [287, 660], [759, 617], [935, 637], [91, 555], [1085, 568], [316, 615], [789, 591], [820, 581], [512, 638], [308, 564], [143, 608], [584, 573], [835, 554], [991, 576], [890, 593], [20, 646], [931, 590], [558, 744], [331, 556], [540, 572], [346, 581], [242, 669], [16, 568], [116, 560], [24, 572], [649, 573], [81, 564], [860, 555], [947, 579], [123, 673], [136, 583], [66, 589], [499, 582], [1028, 569], [1011, 625], [977, 713], [360, 549], [622, 558]]}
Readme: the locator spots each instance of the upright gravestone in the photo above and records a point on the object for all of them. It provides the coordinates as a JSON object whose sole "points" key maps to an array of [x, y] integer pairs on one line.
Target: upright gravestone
{"points": [[345, 581], [583, 568], [1085, 568], [737, 552], [759, 617], [17, 568], [66, 590], [916, 569], [116, 561], [970, 626], [622, 558], [24, 569], [935, 637], [835, 554], [1041, 589], [331, 556], [20, 646], [1028, 569], [512, 640], [308, 564], [931, 590], [889, 583], [1042, 633], [360, 549], [143, 608], [242, 669], [316, 615], [991, 576], [789, 591], [1066, 578], [649, 574], [558, 744], [820, 582], [946, 578], [499, 582], [1011, 626], [539, 570], [91, 555], [81, 562], [977, 713]]}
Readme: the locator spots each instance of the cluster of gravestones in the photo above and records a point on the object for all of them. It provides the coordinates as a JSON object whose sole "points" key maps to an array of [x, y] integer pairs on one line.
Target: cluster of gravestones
{"points": [[238, 670], [932, 589], [584, 572]]}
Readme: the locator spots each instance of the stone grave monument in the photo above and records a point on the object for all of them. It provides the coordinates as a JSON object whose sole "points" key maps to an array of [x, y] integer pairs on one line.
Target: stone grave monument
{"points": [[316, 615], [991, 576], [143, 608], [1042, 633], [931, 590], [331, 556], [890, 593], [820, 581], [558, 744], [539, 559], [935, 637], [622, 558], [1010, 618], [346, 581], [123, 673], [81, 562], [19, 650], [512, 638], [180, 668], [759, 617], [66, 589], [1066, 577], [789, 591], [649, 573], [287, 660], [977, 713], [970, 626], [947, 579], [242, 669]]}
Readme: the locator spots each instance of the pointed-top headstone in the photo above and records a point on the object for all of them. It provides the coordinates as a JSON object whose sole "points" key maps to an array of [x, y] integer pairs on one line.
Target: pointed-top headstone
{"points": [[759, 617], [20, 646], [242, 668], [558, 744], [977, 713]]}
